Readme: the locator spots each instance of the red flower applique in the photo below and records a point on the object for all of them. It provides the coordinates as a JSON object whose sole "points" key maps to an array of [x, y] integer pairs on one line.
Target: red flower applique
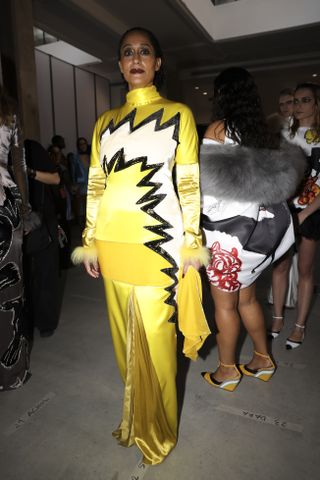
{"points": [[224, 267], [310, 191]]}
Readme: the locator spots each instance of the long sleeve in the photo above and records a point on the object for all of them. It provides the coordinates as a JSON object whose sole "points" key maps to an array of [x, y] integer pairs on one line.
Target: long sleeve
{"points": [[96, 187], [187, 177], [189, 195]]}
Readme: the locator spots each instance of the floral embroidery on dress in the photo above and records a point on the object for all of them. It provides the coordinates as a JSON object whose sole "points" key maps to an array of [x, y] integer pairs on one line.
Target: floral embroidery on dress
{"points": [[224, 268], [311, 136]]}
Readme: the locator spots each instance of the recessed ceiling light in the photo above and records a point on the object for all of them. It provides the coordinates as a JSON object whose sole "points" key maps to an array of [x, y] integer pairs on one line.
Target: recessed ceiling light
{"points": [[68, 53], [204, 93], [314, 74], [196, 88]]}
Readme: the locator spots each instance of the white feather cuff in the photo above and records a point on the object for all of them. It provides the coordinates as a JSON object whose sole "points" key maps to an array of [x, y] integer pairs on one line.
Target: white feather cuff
{"points": [[80, 254], [201, 255]]}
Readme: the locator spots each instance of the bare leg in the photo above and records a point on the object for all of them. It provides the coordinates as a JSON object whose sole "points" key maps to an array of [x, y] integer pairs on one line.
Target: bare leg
{"points": [[228, 323], [253, 320], [307, 253], [280, 275]]}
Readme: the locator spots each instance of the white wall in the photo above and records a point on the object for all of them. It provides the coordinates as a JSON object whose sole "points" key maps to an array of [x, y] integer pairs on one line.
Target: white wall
{"points": [[247, 17], [69, 100]]}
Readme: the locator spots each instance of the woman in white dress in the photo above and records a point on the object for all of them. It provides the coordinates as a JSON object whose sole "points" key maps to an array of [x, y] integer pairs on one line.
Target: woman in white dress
{"points": [[245, 181], [304, 132]]}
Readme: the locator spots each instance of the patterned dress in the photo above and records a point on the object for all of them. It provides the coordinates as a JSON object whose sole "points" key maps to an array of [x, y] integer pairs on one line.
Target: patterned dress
{"points": [[140, 229], [309, 141], [14, 357], [244, 237]]}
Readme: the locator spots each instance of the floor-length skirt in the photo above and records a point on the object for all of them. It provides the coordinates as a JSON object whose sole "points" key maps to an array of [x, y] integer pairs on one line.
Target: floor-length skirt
{"points": [[145, 347]]}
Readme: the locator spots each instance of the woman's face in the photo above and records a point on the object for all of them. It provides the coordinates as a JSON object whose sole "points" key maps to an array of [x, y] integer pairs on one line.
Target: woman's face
{"points": [[286, 105], [82, 145], [56, 150], [305, 107], [138, 62]]}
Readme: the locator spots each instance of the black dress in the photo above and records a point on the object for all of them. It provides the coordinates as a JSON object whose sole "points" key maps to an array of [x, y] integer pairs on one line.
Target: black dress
{"points": [[42, 267]]}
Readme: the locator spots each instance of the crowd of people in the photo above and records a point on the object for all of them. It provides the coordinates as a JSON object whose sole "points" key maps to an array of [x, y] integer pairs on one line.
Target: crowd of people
{"points": [[141, 196], [300, 112], [38, 192]]}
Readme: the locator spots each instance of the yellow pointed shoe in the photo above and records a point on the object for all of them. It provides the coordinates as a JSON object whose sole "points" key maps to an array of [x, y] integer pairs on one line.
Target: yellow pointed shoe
{"points": [[229, 384], [264, 373]]}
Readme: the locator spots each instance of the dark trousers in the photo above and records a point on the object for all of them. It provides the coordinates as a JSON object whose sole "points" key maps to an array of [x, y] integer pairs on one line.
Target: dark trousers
{"points": [[42, 302]]}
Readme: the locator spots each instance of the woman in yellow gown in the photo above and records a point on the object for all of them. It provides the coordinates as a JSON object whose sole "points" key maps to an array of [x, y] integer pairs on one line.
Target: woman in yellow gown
{"points": [[141, 235]]}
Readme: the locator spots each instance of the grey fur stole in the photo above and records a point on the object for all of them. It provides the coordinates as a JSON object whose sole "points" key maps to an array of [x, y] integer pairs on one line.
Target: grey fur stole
{"points": [[235, 173]]}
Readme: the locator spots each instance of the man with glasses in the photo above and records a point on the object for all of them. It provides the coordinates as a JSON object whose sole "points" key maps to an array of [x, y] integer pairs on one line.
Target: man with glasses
{"points": [[286, 106]]}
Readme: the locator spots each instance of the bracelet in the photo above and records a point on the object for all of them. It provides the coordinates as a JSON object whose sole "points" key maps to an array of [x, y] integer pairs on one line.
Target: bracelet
{"points": [[32, 173]]}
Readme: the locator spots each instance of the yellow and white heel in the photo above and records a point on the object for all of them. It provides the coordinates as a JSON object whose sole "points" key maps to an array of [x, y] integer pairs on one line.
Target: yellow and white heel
{"points": [[229, 384], [264, 373]]}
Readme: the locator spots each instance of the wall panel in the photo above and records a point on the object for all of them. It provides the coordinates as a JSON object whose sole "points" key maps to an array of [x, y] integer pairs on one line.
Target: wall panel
{"points": [[102, 95], [64, 102], [117, 94], [44, 97], [86, 111], [70, 99]]}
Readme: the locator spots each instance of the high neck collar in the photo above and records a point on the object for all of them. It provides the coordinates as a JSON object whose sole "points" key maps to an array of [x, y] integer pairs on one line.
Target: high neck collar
{"points": [[142, 96]]}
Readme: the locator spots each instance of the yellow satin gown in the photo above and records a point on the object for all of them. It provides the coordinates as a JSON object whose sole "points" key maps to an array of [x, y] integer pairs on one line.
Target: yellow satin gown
{"points": [[141, 231]]}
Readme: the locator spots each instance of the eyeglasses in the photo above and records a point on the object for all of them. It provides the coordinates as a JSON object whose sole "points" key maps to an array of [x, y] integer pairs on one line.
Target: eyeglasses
{"points": [[82, 143], [296, 101]]}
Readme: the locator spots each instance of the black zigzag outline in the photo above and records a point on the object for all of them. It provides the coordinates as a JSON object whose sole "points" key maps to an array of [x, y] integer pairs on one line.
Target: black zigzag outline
{"points": [[13, 352], [175, 120], [150, 199], [153, 200], [9, 217]]}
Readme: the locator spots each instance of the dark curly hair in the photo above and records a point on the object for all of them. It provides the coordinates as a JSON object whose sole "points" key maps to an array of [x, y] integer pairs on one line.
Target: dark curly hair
{"points": [[238, 104], [315, 90], [159, 75]]}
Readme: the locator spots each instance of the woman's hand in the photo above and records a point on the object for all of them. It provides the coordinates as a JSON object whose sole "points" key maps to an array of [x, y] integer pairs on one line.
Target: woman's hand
{"points": [[92, 268], [31, 221]]}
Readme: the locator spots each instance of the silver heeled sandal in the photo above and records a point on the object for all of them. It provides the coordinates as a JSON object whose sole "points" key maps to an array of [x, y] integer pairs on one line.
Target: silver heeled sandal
{"points": [[291, 344], [271, 334]]}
